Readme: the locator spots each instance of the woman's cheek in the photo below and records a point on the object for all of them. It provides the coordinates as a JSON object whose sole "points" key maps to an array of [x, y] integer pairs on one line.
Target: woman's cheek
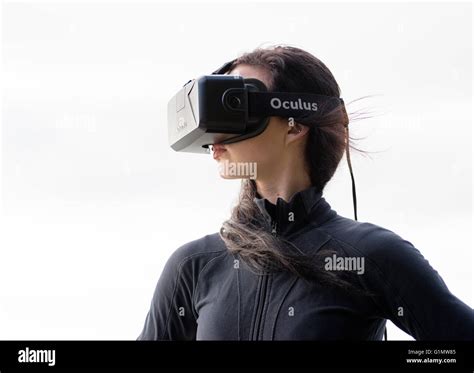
{"points": [[236, 152]]}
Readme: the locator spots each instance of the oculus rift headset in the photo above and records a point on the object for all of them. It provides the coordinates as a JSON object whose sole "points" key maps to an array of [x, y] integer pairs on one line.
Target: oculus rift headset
{"points": [[223, 109]]}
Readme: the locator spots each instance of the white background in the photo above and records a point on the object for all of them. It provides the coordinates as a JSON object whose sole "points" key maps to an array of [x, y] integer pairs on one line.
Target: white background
{"points": [[94, 201]]}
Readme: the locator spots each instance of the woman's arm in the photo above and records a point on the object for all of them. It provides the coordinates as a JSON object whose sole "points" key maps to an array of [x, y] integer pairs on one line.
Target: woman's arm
{"points": [[171, 315], [411, 293]]}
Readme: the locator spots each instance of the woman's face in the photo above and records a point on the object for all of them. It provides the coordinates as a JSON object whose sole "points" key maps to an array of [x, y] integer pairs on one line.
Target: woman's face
{"points": [[266, 150]]}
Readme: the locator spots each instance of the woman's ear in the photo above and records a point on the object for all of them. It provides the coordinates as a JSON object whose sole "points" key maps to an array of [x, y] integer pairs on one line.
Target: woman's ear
{"points": [[296, 131]]}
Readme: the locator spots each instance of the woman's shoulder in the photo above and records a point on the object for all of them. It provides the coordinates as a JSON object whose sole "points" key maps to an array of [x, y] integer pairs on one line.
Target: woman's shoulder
{"points": [[369, 240], [200, 250], [390, 261]]}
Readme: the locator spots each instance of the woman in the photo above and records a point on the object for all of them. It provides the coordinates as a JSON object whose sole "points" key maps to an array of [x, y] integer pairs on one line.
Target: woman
{"points": [[285, 266]]}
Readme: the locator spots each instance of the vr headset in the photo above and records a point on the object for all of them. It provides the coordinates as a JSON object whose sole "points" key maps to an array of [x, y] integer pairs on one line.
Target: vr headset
{"points": [[223, 109]]}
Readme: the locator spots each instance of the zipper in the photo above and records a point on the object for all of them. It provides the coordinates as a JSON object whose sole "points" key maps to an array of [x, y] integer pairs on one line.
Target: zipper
{"points": [[262, 295], [260, 307]]}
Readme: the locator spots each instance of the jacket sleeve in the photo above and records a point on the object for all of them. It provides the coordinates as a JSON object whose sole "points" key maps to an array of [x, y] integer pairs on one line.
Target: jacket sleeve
{"points": [[171, 315], [411, 293]]}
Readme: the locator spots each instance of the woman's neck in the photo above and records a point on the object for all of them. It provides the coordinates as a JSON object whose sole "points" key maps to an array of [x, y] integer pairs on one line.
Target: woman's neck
{"points": [[284, 185]]}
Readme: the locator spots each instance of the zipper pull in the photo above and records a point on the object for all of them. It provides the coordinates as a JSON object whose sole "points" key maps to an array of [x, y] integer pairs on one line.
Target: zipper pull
{"points": [[274, 228]]}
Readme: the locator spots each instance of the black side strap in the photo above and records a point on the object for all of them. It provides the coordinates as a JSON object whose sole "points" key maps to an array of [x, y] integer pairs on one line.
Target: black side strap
{"points": [[284, 104]]}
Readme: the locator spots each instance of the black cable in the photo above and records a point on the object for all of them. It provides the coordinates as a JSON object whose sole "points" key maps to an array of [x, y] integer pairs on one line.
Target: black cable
{"points": [[348, 157]]}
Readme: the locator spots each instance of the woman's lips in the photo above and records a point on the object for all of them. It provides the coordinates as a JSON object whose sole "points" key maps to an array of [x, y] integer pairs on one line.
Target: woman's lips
{"points": [[218, 150]]}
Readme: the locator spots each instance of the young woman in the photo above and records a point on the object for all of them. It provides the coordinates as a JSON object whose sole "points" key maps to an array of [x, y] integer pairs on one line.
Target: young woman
{"points": [[285, 266]]}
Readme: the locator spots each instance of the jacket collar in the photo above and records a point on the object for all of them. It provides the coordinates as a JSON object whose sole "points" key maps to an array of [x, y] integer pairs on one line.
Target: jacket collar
{"points": [[304, 207]]}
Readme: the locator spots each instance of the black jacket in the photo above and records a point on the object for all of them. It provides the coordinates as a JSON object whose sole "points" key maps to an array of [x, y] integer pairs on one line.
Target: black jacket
{"points": [[206, 293]]}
